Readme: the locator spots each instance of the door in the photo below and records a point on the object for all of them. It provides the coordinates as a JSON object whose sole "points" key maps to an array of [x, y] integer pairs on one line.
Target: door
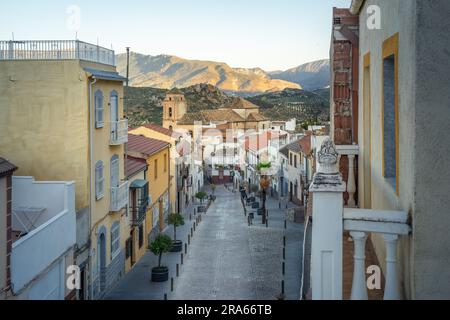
{"points": [[133, 247], [114, 112], [115, 171], [102, 260]]}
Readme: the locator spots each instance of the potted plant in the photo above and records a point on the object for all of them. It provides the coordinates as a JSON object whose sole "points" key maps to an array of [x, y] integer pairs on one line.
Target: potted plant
{"points": [[176, 220], [201, 196], [160, 245]]}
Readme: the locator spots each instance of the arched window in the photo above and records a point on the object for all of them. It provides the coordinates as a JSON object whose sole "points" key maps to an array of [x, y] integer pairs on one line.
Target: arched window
{"points": [[99, 180], [99, 109], [115, 240], [170, 112]]}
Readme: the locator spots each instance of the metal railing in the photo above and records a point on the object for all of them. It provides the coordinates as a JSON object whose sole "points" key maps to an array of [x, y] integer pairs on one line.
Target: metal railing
{"points": [[55, 50], [119, 132], [119, 197]]}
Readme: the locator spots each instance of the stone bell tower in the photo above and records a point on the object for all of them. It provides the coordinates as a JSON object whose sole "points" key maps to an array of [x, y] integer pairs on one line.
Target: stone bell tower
{"points": [[174, 108]]}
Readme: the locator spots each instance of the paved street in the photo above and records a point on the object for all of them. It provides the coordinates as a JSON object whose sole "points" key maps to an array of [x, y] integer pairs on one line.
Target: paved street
{"points": [[227, 259]]}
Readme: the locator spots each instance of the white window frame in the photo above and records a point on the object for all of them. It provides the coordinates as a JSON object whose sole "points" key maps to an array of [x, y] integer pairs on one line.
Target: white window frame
{"points": [[99, 109], [115, 240], [99, 180]]}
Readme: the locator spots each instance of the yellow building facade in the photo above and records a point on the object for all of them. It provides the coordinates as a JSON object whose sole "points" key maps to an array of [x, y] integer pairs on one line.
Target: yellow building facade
{"points": [[63, 121]]}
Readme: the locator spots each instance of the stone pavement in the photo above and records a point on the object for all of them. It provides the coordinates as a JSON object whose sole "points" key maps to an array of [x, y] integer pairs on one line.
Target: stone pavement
{"points": [[227, 259]]}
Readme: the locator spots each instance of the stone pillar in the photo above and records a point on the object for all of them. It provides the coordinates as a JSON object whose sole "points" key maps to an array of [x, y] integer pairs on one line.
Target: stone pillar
{"points": [[351, 185], [359, 286], [327, 226], [392, 288]]}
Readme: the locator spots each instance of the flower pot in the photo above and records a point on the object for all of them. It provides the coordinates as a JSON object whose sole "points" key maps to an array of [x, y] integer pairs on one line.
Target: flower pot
{"points": [[177, 246], [160, 274]]}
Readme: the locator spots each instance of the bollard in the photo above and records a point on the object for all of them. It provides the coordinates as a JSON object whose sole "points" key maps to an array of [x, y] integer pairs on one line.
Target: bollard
{"points": [[192, 233], [267, 222], [165, 296], [286, 205], [182, 259], [194, 225], [189, 239], [285, 224], [284, 268], [195, 211], [284, 241], [178, 270], [249, 221], [185, 248], [171, 284], [282, 287], [284, 253]]}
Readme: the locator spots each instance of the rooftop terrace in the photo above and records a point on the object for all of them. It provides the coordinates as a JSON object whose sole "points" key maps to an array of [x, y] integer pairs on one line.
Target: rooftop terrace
{"points": [[55, 50]]}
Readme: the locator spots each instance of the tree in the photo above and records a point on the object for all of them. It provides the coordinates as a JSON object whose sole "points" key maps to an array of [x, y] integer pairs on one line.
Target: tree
{"points": [[160, 245], [176, 220]]}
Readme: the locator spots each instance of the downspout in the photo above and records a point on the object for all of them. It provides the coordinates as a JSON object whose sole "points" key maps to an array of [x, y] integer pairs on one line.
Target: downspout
{"points": [[91, 160]]}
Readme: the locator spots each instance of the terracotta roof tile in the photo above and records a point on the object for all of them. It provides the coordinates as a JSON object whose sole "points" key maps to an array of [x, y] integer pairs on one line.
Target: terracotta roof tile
{"points": [[134, 165], [145, 146], [256, 117], [164, 131], [240, 103], [207, 116]]}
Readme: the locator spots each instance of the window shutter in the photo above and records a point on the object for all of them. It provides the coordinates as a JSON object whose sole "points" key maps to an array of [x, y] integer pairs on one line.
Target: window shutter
{"points": [[115, 240], [99, 110], [99, 181]]}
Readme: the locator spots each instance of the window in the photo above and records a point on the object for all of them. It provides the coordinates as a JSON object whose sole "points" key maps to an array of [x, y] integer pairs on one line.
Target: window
{"points": [[170, 112], [290, 159], [114, 168], [165, 162], [115, 240], [156, 169], [141, 236], [295, 161], [99, 180], [99, 109], [390, 112]]}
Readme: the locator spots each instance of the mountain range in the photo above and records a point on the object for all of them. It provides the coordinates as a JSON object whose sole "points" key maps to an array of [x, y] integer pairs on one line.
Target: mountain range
{"points": [[166, 72]]}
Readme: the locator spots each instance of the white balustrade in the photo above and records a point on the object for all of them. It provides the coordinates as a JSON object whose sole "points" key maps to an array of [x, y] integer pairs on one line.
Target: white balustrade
{"points": [[330, 219], [351, 151]]}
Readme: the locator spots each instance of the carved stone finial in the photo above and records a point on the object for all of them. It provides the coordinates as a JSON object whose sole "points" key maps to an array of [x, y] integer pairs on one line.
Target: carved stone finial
{"points": [[328, 157]]}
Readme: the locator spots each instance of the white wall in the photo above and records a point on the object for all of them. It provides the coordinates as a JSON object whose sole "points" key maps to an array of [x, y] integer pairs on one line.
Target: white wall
{"points": [[36, 251]]}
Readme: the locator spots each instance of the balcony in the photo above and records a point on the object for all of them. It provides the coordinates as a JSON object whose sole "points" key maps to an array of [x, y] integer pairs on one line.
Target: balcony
{"points": [[119, 197], [44, 229], [119, 132], [56, 50], [331, 220], [139, 201]]}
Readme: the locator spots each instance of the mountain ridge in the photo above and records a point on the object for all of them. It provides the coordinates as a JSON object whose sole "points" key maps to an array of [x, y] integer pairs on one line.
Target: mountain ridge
{"points": [[166, 72]]}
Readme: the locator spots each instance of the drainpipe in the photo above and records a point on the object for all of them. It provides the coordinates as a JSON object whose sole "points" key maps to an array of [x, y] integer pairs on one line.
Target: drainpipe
{"points": [[91, 160]]}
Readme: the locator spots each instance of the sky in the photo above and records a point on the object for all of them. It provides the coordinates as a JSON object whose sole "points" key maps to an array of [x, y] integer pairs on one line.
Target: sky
{"points": [[269, 34]]}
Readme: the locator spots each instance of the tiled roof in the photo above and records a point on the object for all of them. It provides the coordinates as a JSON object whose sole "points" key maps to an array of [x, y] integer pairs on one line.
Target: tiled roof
{"points": [[240, 103], [256, 117], [146, 146], [207, 116], [294, 147], [164, 131], [305, 144], [6, 167], [105, 75], [134, 165]]}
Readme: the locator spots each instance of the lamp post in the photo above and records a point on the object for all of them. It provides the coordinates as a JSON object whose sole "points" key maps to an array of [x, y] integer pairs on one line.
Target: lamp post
{"points": [[264, 183]]}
